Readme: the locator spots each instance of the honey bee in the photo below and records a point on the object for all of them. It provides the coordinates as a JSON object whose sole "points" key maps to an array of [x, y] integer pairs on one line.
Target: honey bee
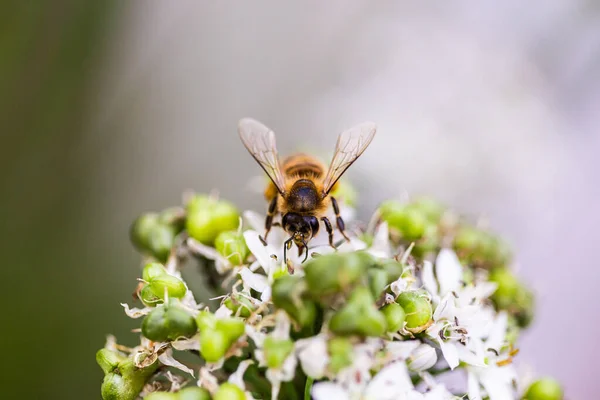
{"points": [[300, 185]]}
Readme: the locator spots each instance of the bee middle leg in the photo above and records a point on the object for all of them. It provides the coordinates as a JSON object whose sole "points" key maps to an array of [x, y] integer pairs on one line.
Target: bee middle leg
{"points": [[329, 229], [271, 211], [338, 219]]}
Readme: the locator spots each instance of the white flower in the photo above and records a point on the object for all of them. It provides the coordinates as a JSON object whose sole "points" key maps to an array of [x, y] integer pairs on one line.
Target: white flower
{"points": [[497, 378], [422, 358], [313, 355], [381, 246]]}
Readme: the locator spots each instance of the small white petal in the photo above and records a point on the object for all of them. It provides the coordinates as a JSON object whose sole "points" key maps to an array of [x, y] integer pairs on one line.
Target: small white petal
{"points": [[167, 359], [136, 312], [253, 280], [237, 378], [473, 387], [422, 358], [450, 352], [255, 220], [399, 286], [401, 350], [428, 278], [313, 356], [445, 310], [498, 332], [381, 242], [257, 337], [391, 383], [266, 295], [328, 391], [448, 271], [186, 344], [438, 392], [223, 312], [496, 387]]}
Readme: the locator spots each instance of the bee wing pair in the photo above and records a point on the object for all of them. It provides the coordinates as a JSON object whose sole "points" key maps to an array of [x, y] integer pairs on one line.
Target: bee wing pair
{"points": [[260, 142]]}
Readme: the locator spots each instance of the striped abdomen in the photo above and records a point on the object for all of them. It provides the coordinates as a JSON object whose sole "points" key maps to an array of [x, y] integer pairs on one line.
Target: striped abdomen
{"points": [[302, 166]]}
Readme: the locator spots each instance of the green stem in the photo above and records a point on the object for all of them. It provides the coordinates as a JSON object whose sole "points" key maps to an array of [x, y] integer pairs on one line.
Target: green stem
{"points": [[308, 387]]}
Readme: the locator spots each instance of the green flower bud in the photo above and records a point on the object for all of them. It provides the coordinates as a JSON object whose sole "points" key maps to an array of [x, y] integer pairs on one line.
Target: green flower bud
{"points": [[168, 322], [206, 321], [508, 287], [393, 269], [276, 351], [140, 229], [377, 281], [394, 316], [407, 219], [359, 316], [238, 302], [340, 353], [205, 224], [193, 393], [153, 270], [161, 240], [544, 389], [174, 216], [108, 360], [127, 381], [232, 246], [232, 327], [162, 396], [213, 344], [148, 297], [173, 285], [418, 310], [430, 208], [288, 295], [332, 273], [229, 391], [199, 202]]}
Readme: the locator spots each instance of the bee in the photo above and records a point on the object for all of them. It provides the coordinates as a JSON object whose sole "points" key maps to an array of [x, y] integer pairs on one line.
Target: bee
{"points": [[300, 185]]}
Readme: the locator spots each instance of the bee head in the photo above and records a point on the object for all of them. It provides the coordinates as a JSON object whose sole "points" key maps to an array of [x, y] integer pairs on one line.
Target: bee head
{"points": [[301, 228]]}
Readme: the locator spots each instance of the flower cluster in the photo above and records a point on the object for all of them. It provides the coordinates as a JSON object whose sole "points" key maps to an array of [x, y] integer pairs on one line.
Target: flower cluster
{"points": [[414, 295]]}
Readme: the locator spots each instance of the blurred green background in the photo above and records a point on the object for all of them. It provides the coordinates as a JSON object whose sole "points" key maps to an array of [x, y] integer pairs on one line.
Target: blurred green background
{"points": [[56, 308], [109, 109]]}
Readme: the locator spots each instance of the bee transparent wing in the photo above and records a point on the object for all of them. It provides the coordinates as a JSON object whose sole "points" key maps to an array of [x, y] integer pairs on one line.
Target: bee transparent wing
{"points": [[350, 145], [260, 142]]}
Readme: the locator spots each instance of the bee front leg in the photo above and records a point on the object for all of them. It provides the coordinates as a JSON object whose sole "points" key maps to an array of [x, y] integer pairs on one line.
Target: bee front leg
{"points": [[338, 219], [271, 211], [329, 229]]}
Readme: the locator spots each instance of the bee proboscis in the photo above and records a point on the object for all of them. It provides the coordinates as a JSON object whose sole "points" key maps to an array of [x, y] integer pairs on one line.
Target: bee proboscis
{"points": [[300, 186]]}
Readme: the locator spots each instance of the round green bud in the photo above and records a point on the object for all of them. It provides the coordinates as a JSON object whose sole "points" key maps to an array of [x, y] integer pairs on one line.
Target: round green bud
{"points": [[232, 246], [332, 273], [393, 269], [153, 270], [229, 391], [394, 316], [193, 393], [108, 360], [340, 353], [140, 229], [240, 305], [162, 396], [148, 297], [276, 351], [406, 219], [508, 287], [161, 240], [359, 316], [168, 322], [199, 202], [213, 344], [205, 224], [544, 389], [417, 308], [126, 382], [430, 208], [232, 327], [169, 283], [377, 279], [288, 295]]}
